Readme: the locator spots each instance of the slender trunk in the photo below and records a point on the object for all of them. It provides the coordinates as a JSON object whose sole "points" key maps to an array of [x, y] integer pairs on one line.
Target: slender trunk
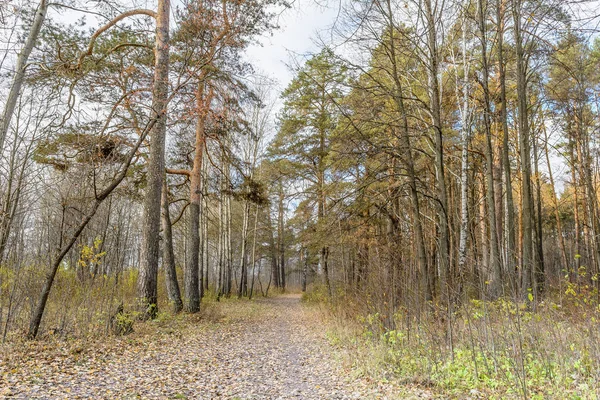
{"points": [[464, 208], [495, 278], [204, 237], [243, 288], [436, 116], [324, 256], [465, 131], [324, 253], [19, 77], [510, 246], [304, 261], [96, 265], [190, 272], [281, 237], [254, 251], [573, 272], [408, 160], [172, 285], [228, 253], [589, 190], [12, 200], [524, 144], [220, 245], [201, 265], [485, 253], [266, 293], [540, 274], [274, 264]]}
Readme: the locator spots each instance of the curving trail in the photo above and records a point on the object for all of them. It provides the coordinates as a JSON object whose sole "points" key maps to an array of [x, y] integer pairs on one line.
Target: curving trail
{"points": [[265, 349]]}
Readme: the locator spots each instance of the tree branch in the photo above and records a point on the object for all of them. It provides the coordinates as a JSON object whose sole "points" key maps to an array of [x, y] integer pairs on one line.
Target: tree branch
{"points": [[110, 24], [175, 171]]}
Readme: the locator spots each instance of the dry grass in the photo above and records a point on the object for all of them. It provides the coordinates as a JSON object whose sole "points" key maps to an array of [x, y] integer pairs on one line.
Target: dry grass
{"points": [[486, 350], [79, 309]]}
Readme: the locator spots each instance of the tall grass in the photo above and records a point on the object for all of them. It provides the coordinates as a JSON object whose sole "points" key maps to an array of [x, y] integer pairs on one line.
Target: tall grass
{"points": [[78, 307], [487, 350]]}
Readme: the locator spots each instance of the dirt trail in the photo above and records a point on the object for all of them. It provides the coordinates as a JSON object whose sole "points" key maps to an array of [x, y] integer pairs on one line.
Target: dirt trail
{"points": [[264, 349]]}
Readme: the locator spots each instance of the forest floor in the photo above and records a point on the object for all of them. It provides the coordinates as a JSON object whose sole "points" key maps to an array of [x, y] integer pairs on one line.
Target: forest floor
{"points": [[274, 348]]}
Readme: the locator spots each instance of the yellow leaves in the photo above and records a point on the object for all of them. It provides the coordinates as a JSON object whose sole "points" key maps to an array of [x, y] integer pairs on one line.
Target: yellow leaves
{"points": [[570, 290], [91, 255]]}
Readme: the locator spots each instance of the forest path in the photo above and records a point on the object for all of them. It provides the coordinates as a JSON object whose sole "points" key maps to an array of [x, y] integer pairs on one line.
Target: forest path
{"points": [[271, 348]]}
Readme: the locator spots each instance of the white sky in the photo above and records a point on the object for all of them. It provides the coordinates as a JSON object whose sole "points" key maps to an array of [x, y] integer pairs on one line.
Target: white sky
{"points": [[298, 28]]}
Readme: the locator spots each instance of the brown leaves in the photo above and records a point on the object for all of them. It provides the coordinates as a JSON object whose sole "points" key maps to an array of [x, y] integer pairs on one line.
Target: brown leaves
{"points": [[263, 349]]}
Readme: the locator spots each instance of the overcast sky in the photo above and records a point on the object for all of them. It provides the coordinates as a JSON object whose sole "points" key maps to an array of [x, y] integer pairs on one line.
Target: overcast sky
{"points": [[298, 28]]}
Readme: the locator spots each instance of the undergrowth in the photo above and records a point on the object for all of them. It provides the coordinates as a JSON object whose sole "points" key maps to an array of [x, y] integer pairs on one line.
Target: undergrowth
{"points": [[484, 350], [86, 308]]}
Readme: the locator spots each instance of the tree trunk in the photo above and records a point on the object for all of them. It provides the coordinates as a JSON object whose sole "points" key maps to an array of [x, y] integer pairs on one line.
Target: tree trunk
{"points": [[524, 144], [324, 260], [510, 246], [465, 132], [281, 237], [573, 275], [12, 199], [540, 275], [228, 252], [304, 261], [485, 253], [172, 285], [190, 273], [205, 221], [19, 77], [408, 159], [148, 275], [254, 252], [495, 277], [274, 259], [243, 288], [435, 108]]}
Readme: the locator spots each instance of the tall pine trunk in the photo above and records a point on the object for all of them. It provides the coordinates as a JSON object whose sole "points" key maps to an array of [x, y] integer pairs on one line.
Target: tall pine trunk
{"points": [[190, 274], [148, 272]]}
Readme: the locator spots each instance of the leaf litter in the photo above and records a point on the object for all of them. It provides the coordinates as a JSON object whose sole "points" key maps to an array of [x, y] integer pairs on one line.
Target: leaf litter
{"points": [[272, 348]]}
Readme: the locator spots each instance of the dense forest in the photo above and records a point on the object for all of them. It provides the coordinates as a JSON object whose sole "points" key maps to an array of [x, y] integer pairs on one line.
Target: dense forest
{"points": [[432, 172]]}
